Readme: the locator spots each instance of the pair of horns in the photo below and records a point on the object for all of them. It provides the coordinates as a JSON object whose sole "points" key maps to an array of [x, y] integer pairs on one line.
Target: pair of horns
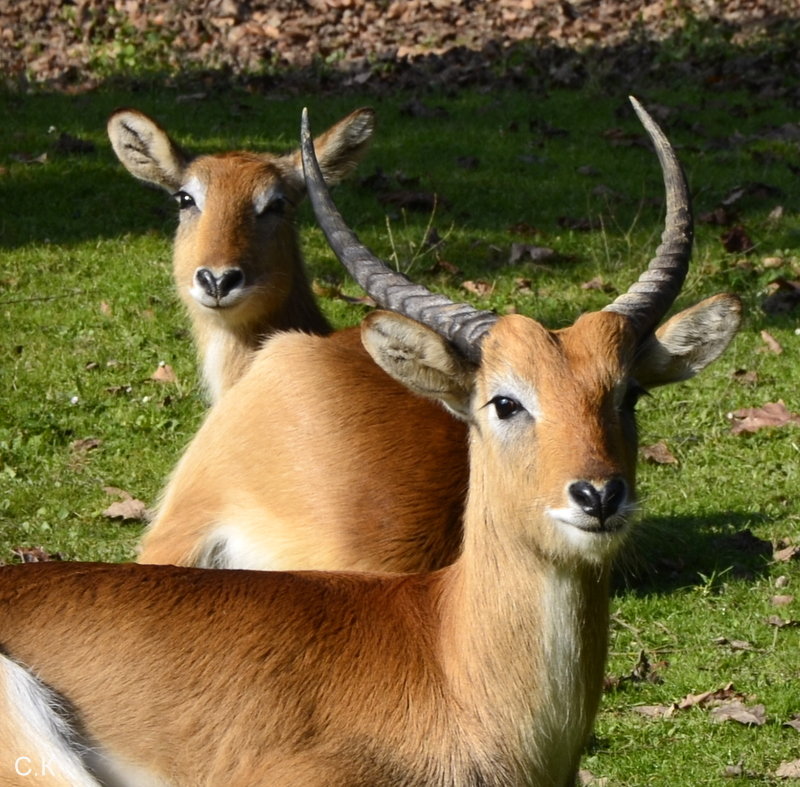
{"points": [[644, 304]]}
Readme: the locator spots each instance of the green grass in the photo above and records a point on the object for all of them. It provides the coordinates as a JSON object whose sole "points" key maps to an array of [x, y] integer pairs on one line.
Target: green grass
{"points": [[87, 312]]}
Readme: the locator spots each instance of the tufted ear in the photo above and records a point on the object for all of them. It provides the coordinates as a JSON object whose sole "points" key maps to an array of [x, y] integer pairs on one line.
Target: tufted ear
{"points": [[419, 358], [688, 341], [146, 150]]}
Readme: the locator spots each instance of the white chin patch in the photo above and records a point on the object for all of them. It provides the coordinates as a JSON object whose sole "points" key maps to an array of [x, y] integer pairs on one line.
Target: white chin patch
{"points": [[586, 535], [200, 296]]}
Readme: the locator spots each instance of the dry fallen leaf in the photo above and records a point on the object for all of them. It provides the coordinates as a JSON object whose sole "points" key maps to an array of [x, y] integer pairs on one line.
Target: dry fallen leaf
{"points": [[751, 419], [85, 444], [755, 189], [323, 289], [588, 779], [479, 287], [725, 694], [29, 158], [334, 291], [720, 216], [445, 266], [776, 214], [786, 554], [523, 286], [80, 449], [794, 722], [164, 374], [736, 644], [129, 508], [779, 622], [642, 671], [784, 296], [789, 770], [528, 252], [654, 711], [35, 554], [658, 454], [597, 283], [772, 344], [737, 241], [745, 377], [755, 715], [362, 300], [781, 601]]}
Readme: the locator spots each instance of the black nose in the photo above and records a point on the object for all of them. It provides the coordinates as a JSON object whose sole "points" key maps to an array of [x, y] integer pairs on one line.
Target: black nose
{"points": [[230, 280], [599, 503], [219, 287]]}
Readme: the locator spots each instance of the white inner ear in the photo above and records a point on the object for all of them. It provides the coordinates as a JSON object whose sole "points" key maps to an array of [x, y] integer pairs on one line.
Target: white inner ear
{"points": [[146, 150], [196, 189], [420, 359], [688, 342]]}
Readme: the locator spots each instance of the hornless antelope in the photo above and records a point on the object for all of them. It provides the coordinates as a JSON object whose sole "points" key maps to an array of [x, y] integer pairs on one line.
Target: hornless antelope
{"points": [[259, 487], [486, 672], [237, 262]]}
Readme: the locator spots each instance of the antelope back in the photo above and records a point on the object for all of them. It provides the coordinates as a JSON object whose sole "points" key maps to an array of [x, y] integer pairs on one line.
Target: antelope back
{"points": [[208, 677], [316, 458], [237, 262]]}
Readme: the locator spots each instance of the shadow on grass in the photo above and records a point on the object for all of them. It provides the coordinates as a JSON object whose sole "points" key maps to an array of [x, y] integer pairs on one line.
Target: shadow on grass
{"points": [[72, 197], [666, 554]]}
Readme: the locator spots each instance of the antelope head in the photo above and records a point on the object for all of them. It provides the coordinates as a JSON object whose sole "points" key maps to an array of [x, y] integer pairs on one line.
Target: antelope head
{"points": [[236, 261], [553, 432]]}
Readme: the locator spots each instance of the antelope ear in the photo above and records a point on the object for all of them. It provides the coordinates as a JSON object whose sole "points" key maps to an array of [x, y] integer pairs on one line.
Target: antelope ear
{"points": [[340, 148], [146, 150], [689, 341], [419, 358]]}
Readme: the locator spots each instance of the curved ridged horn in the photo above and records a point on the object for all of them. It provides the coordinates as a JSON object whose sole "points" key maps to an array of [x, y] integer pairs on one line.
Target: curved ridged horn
{"points": [[648, 299], [461, 324]]}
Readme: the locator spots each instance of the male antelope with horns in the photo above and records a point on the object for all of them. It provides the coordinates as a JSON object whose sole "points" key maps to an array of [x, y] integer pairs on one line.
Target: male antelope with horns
{"points": [[257, 488], [486, 672], [236, 260]]}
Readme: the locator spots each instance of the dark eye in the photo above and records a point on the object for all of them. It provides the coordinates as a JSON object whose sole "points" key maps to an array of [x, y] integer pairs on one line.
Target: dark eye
{"points": [[275, 207], [505, 407], [184, 200]]}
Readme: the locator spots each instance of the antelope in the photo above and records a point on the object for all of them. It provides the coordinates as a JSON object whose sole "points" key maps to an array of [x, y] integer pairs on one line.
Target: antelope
{"points": [[485, 672], [236, 261], [259, 488]]}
